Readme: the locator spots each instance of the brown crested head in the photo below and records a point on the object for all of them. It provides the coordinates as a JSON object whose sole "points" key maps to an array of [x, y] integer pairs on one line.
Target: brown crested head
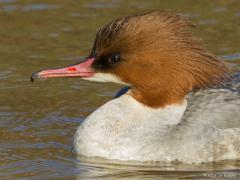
{"points": [[157, 54]]}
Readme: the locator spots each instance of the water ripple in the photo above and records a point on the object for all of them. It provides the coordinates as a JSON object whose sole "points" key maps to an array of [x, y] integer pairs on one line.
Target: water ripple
{"points": [[231, 57], [29, 7], [7, 1]]}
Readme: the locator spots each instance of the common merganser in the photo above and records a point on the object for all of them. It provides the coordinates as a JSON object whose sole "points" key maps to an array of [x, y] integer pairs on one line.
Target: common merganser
{"points": [[182, 104]]}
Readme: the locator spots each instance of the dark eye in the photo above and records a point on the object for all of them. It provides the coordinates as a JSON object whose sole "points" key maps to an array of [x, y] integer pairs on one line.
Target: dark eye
{"points": [[107, 61], [114, 59]]}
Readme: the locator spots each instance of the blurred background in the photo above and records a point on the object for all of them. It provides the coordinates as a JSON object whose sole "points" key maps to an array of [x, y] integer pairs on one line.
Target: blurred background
{"points": [[38, 121]]}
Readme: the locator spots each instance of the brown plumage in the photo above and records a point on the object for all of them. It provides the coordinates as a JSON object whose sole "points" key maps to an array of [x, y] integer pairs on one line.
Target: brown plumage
{"points": [[160, 58]]}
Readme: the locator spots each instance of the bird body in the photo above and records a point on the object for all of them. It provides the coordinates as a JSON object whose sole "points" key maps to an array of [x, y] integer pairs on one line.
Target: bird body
{"points": [[182, 103]]}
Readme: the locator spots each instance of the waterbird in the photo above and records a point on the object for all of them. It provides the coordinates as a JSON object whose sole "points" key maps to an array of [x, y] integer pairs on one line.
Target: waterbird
{"points": [[180, 102]]}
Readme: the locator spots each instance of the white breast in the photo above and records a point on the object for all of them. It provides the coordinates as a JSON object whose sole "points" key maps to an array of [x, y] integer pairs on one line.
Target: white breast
{"points": [[122, 127]]}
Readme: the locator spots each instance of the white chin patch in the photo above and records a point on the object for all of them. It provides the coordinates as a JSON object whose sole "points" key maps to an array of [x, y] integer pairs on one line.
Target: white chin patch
{"points": [[105, 77]]}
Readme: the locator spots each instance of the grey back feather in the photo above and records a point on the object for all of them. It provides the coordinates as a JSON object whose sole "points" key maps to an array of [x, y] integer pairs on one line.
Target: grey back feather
{"points": [[219, 105]]}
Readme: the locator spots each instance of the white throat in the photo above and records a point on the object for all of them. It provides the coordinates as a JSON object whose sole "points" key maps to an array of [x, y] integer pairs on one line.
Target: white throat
{"points": [[105, 77]]}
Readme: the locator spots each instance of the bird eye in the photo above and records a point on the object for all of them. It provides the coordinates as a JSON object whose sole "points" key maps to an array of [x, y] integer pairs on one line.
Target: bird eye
{"points": [[106, 61], [114, 59]]}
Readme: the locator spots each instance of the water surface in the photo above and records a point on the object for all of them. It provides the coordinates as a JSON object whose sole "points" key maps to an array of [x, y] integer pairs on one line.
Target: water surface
{"points": [[38, 121]]}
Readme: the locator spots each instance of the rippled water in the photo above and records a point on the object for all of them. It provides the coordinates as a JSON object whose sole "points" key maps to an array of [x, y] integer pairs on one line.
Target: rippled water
{"points": [[38, 121]]}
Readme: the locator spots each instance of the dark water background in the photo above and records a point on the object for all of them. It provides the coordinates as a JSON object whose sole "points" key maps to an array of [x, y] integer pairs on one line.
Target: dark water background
{"points": [[38, 121]]}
